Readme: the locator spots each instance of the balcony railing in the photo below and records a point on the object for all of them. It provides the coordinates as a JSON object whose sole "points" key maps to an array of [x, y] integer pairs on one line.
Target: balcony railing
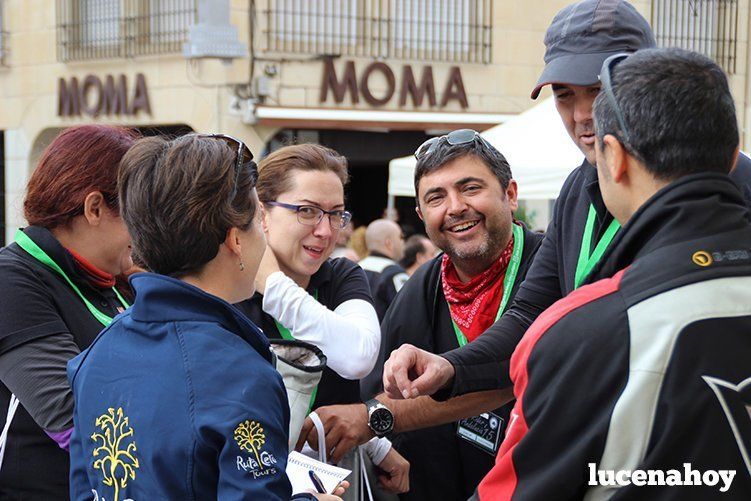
{"points": [[706, 26], [99, 29], [432, 30]]}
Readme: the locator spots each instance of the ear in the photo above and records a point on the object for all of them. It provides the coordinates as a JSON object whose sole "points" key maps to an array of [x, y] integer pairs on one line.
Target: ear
{"points": [[93, 207], [419, 213], [264, 218], [512, 193], [232, 241], [616, 158]]}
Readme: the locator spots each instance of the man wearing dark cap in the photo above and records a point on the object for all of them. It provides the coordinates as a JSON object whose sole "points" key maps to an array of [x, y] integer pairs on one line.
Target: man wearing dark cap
{"points": [[637, 386], [580, 38]]}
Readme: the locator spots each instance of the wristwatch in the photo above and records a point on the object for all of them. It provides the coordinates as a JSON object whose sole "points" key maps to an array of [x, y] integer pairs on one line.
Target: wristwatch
{"points": [[380, 418]]}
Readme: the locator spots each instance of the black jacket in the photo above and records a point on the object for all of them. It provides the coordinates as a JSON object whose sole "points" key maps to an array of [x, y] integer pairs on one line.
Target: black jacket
{"points": [[420, 316], [484, 364], [647, 370], [41, 314]]}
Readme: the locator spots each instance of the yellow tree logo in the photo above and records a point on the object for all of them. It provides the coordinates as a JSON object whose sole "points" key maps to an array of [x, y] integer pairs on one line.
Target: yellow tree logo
{"points": [[118, 461], [250, 437]]}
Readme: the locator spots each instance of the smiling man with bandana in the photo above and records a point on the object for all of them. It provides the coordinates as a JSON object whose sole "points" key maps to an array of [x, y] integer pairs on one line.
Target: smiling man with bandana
{"points": [[466, 198]]}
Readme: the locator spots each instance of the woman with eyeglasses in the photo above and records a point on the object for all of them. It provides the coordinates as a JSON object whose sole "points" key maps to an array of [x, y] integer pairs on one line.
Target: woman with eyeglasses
{"points": [[178, 398], [301, 293], [58, 279]]}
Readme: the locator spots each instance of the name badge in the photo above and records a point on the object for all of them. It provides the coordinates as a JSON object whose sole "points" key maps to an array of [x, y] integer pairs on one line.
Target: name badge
{"points": [[483, 431]]}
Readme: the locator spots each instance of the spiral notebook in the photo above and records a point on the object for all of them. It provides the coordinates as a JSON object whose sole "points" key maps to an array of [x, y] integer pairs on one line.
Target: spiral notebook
{"points": [[299, 467]]}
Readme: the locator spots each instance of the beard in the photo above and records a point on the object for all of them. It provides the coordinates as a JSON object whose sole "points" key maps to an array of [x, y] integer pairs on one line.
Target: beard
{"points": [[476, 255], [482, 252]]}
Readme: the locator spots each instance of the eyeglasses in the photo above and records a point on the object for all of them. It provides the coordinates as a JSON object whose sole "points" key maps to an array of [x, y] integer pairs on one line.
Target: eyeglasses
{"points": [[310, 215], [243, 158], [607, 86], [461, 136]]}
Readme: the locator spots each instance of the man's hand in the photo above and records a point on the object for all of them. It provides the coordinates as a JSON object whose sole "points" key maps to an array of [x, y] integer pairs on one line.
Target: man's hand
{"points": [[346, 427], [411, 372], [269, 265], [394, 473]]}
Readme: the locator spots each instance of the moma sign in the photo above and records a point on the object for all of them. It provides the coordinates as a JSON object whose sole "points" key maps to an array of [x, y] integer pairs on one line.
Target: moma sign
{"points": [[93, 97], [410, 88]]}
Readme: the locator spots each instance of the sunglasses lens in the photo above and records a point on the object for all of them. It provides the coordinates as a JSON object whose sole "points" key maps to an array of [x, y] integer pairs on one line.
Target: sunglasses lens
{"points": [[229, 141], [247, 156], [425, 147], [461, 136]]}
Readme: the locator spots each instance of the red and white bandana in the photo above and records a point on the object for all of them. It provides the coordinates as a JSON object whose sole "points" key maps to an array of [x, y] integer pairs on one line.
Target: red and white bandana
{"points": [[474, 305]]}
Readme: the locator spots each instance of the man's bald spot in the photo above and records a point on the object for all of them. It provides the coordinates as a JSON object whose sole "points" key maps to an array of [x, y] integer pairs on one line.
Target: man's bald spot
{"points": [[378, 232]]}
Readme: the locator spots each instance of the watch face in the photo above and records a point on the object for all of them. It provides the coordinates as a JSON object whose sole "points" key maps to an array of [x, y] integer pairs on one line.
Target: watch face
{"points": [[381, 421]]}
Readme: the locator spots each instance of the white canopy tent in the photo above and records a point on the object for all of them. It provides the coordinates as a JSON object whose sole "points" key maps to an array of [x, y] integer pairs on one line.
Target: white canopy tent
{"points": [[535, 143]]}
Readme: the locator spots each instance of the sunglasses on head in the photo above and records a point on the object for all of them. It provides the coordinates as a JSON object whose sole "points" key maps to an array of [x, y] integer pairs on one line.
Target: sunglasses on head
{"points": [[461, 136], [606, 86], [243, 158]]}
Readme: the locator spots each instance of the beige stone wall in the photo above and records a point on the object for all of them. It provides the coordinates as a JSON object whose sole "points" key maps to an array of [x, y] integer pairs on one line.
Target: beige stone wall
{"points": [[196, 94], [200, 94], [500, 87]]}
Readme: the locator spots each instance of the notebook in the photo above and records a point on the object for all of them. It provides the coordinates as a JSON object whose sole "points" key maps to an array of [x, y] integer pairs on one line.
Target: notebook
{"points": [[299, 467]]}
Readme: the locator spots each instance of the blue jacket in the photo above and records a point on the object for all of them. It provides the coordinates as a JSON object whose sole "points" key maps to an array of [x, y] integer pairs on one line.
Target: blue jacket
{"points": [[178, 399]]}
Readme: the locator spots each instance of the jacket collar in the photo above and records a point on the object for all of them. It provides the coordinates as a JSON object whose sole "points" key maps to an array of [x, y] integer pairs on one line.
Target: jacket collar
{"points": [[592, 187], [379, 254], [691, 207], [164, 299], [54, 249]]}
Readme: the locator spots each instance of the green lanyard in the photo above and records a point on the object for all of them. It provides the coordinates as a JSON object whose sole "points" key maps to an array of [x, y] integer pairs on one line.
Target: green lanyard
{"points": [[37, 253], [286, 334], [508, 280], [588, 261]]}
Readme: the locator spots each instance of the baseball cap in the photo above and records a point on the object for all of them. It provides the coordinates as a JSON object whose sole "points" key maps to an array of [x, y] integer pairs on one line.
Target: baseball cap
{"points": [[584, 34]]}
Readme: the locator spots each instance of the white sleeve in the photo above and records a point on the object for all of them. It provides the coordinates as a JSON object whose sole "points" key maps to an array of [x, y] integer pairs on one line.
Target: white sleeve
{"points": [[376, 449], [349, 336]]}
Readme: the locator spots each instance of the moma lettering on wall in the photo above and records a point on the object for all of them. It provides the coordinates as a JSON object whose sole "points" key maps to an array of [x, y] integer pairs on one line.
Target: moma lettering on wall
{"points": [[409, 89], [93, 97]]}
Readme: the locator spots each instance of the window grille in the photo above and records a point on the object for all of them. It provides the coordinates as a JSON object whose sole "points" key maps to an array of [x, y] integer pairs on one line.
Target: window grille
{"points": [[99, 29], [433, 30], [706, 26]]}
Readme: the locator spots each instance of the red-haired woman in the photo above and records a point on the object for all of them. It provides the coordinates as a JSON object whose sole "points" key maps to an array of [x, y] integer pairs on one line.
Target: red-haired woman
{"points": [[58, 293]]}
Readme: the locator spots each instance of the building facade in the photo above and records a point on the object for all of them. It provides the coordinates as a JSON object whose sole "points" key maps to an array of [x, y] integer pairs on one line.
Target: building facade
{"points": [[370, 78]]}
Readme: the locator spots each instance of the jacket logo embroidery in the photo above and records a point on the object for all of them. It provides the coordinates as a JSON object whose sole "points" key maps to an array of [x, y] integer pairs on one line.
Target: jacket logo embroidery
{"points": [[702, 258], [116, 451], [736, 402], [251, 438]]}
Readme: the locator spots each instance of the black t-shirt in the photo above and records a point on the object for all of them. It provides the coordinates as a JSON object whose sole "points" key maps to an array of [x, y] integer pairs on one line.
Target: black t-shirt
{"points": [[338, 280], [38, 306]]}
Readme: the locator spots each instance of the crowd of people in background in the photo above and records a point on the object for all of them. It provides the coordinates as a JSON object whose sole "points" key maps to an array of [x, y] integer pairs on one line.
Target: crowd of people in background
{"points": [[477, 360]]}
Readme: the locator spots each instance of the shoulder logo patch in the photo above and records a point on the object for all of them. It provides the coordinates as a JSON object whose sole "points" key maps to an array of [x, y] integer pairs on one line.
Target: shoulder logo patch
{"points": [[250, 438], [735, 401], [116, 451]]}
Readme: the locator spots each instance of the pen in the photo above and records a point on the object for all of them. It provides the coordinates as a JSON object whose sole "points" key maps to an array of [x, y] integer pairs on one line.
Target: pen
{"points": [[316, 482]]}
